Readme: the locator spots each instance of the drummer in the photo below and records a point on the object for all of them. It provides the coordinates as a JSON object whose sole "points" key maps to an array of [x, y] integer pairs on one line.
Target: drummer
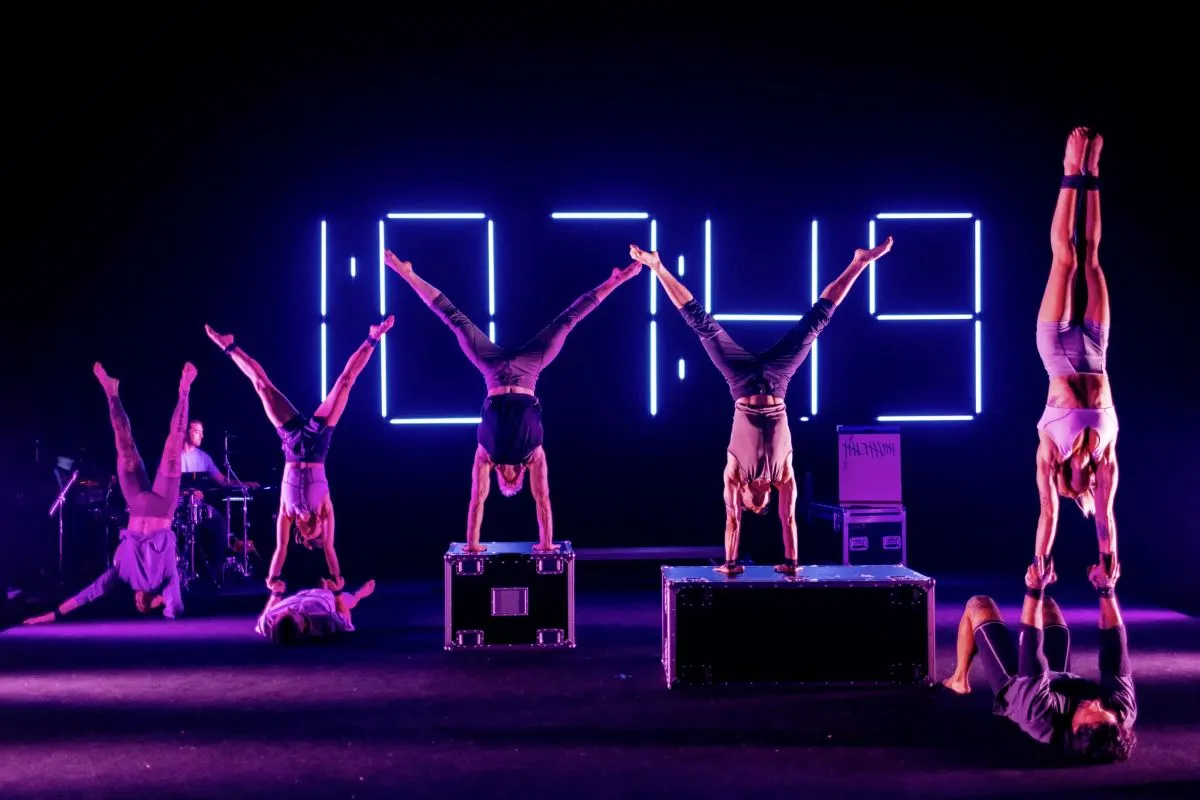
{"points": [[211, 531]]}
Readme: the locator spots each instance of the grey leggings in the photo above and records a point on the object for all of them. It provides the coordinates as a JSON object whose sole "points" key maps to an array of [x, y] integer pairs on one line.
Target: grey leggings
{"points": [[521, 367], [749, 373]]}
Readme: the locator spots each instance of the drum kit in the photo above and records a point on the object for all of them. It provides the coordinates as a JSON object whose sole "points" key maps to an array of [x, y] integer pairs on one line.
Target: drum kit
{"points": [[194, 512]]}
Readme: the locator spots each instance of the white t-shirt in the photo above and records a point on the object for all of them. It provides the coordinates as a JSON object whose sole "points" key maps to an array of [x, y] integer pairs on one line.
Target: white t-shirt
{"points": [[318, 608], [196, 460]]}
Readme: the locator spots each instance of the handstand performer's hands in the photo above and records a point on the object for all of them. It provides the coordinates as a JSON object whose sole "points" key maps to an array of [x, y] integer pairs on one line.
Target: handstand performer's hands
{"points": [[1100, 579], [1036, 578], [649, 258], [401, 268]]}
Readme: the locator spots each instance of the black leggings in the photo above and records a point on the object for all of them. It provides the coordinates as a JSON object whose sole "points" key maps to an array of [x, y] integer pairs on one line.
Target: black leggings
{"points": [[998, 655]]}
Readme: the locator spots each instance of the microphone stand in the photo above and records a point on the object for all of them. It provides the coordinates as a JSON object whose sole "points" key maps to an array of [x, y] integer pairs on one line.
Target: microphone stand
{"points": [[57, 508], [232, 478]]}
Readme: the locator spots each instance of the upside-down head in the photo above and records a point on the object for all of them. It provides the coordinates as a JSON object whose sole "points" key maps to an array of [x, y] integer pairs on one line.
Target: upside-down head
{"points": [[290, 628], [1076, 479], [147, 601], [1096, 735], [510, 478], [755, 496], [310, 529]]}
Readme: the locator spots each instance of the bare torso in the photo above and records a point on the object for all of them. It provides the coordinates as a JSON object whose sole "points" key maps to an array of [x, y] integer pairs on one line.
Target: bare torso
{"points": [[148, 524], [292, 465], [1080, 391], [760, 400], [509, 390]]}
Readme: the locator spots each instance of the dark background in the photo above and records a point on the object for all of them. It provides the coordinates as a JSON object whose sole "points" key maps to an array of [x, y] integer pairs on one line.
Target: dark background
{"points": [[164, 173]]}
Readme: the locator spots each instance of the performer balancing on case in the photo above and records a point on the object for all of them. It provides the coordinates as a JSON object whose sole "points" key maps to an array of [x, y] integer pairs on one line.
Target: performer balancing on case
{"points": [[310, 614], [759, 455], [510, 431], [1032, 683], [146, 559], [304, 499], [1077, 434]]}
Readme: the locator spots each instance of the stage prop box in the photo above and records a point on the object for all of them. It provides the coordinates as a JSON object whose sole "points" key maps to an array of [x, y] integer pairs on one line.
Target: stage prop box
{"points": [[851, 535], [510, 596], [827, 625]]}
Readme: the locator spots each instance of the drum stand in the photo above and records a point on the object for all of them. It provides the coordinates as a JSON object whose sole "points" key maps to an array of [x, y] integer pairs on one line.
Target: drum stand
{"points": [[186, 519], [239, 566]]}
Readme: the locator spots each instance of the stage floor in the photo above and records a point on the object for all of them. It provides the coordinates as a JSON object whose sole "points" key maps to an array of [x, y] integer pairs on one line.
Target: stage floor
{"points": [[202, 707]]}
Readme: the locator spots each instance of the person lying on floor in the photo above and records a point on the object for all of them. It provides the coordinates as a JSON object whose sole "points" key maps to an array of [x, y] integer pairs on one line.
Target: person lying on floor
{"points": [[310, 614], [1032, 681]]}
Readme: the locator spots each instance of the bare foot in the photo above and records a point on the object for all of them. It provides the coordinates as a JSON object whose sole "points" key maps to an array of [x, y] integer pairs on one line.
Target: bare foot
{"points": [[546, 548], [189, 375], [401, 268], [785, 569], [620, 275], [1076, 148], [221, 340], [725, 569], [381, 328], [110, 384], [875, 253], [365, 590], [1093, 154], [649, 258], [474, 548], [957, 684]]}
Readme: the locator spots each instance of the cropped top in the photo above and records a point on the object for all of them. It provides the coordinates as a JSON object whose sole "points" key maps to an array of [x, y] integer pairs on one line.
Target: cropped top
{"points": [[305, 439], [1063, 426]]}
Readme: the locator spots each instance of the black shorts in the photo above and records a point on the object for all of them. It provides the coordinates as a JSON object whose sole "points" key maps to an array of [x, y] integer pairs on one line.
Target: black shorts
{"points": [[510, 428], [997, 656]]}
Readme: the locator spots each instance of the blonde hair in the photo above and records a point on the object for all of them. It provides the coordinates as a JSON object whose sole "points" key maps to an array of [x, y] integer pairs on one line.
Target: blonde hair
{"points": [[1086, 499], [1086, 502], [310, 531]]}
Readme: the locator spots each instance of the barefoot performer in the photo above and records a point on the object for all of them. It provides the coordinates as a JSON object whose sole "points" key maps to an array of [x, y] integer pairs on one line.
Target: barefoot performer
{"points": [[1077, 434], [759, 455], [304, 498], [310, 614], [510, 433], [146, 559], [1031, 681]]}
